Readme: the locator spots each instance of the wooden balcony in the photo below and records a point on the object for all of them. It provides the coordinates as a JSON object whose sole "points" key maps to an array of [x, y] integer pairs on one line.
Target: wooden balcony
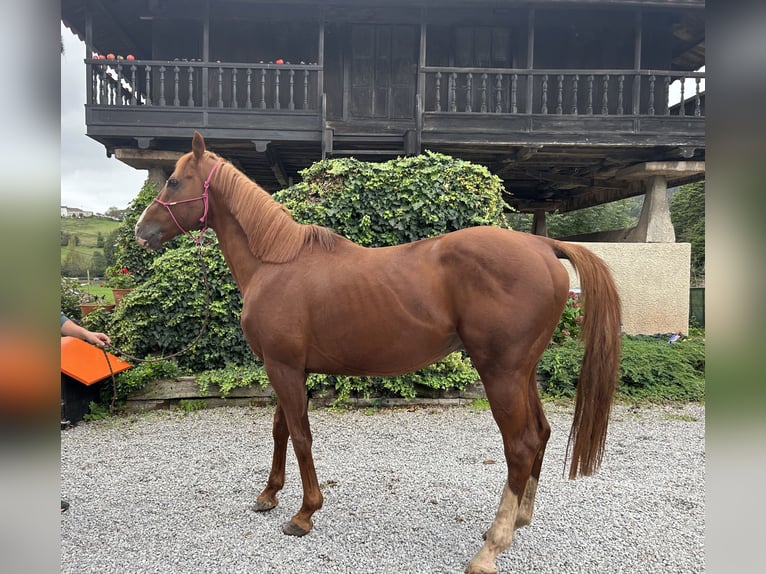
{"points": [[229, 101], [556, 130], [578, 107]]}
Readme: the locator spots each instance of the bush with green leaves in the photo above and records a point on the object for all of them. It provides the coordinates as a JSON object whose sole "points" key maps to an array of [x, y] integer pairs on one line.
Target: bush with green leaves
{"points": [[651, 368], [164, 314], [571, 319], [70, 297], [399, 201], [455, 371], [137, 378]]}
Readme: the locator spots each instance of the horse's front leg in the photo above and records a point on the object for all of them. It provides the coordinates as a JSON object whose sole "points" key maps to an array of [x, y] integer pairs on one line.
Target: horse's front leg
{"points": [[290, 387], [268, 498]]}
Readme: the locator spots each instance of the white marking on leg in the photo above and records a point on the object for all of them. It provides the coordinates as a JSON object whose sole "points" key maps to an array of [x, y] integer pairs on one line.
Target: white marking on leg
{"points": [[499, 536], [527, 507]]}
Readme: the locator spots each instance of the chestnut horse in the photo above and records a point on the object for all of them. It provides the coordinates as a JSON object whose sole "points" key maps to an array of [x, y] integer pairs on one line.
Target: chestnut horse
{"points": [[314, 302]]}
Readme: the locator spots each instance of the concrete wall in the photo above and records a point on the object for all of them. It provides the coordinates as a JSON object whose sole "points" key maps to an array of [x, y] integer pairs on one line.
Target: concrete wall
{"points": [[653, 281]]}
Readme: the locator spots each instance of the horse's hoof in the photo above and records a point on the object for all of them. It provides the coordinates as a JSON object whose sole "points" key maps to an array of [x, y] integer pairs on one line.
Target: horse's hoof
{"points": [[264, 505], [292, 529], [481, 568]]}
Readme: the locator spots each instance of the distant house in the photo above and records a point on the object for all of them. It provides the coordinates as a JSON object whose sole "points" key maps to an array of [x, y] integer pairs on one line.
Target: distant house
{"points": [[75, 212]]}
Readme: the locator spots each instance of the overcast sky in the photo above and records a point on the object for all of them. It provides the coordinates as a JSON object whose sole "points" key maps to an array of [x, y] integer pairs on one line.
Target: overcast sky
{"points": [[89, 179]]}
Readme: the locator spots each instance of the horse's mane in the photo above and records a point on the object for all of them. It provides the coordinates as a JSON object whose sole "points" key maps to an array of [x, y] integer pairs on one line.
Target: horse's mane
{"points": [[272, 234]]}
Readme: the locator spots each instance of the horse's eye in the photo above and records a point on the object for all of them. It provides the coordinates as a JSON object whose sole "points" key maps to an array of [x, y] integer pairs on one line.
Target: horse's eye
{"points": [[172, 182]]}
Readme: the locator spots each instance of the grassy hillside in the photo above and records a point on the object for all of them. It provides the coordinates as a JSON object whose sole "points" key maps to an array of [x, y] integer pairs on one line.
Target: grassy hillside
{"points": [[87, 229]]}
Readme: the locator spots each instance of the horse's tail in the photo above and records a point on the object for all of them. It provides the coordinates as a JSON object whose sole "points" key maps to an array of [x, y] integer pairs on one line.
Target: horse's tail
{"points": [[600, 331]]}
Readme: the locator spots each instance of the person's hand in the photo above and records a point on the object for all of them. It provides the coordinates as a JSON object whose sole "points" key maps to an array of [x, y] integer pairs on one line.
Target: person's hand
{"points": [[98, 339]]}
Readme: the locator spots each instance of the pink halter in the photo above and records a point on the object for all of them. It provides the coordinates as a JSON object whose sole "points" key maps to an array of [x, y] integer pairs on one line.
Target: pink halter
{"points": [[205, 199]]}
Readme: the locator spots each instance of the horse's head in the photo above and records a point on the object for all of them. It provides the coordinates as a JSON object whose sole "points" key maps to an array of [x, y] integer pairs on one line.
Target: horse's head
{"points": [[181, 206]]}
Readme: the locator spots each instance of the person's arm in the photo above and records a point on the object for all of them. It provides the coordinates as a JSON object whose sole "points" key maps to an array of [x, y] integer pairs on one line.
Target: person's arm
{"points": [[71, 329]]}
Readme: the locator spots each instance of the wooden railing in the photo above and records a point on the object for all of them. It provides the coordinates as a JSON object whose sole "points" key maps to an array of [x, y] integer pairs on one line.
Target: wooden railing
{"points": [[563, 92], [193, 84]]}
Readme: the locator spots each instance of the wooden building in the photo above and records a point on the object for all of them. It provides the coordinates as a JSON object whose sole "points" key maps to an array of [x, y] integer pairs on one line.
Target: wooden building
{"points": [[572, 103]]}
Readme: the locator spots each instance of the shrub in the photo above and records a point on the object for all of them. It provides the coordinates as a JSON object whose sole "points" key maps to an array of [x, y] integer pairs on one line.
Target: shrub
{"points": [[453, 372], [650, 369], [571, 319], [399, 201], [70, 298], [165, 314], [137, 378]]}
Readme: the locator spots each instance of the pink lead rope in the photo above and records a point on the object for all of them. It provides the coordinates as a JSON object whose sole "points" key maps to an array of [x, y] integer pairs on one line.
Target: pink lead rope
{"points": [[205, 199]]}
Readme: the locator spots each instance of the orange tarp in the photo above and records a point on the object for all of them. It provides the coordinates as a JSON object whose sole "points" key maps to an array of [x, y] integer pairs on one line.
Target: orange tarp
{"points": [[88, 363]]}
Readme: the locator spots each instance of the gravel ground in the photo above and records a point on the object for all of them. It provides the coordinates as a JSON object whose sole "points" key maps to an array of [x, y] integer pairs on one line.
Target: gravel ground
{"points": [[405, 491]]}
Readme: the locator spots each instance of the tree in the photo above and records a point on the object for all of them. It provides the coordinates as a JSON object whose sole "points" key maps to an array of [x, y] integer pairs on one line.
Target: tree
{"points": [[687, 212], [75, 263]]}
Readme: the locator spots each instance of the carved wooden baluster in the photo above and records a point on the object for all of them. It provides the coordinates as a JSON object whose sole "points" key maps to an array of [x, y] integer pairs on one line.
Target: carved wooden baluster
{"points": [[220, 87], [560, 95], [605, 96], [438, 90], [514, 85], [148, 101], [575, 81], [589, 107], [469, 92], [305, 89], [248, 88], [291, 102], [234, 75], [190, 78], [697, 103], [118, 96], [483, 106], [666, 91], [651, 94], [162, 86], [544, 103], [498, 93], [453, 92], [176, 75], [93, 84], [277, 105], [133, 84], [682, 107], [620, 85], [262, 103]]}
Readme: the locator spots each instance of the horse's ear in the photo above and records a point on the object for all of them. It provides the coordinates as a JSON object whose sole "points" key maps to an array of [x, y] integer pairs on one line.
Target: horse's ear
{"points": [[198, 145]]}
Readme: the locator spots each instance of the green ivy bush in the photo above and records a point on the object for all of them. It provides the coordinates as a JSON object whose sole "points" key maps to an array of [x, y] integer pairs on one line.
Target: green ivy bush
{"points": [[453, 372], [398, 201], [651, 368], [70, 298], [164, 314]]}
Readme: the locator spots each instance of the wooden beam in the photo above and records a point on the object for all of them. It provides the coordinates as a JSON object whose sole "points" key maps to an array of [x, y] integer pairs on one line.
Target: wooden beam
{"points": [[664, 168]]}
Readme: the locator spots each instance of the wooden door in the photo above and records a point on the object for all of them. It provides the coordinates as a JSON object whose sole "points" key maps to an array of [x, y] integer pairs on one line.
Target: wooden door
{"points": [[383, 71]]}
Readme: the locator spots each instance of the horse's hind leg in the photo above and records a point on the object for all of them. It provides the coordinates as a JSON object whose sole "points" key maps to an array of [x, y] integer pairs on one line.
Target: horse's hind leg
{"points": [[268, 498], [527, 506], [508, 398]]}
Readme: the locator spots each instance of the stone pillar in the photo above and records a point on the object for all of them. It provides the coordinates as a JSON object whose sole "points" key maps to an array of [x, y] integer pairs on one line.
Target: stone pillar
{"points": [[157, 176], [654, 225]]}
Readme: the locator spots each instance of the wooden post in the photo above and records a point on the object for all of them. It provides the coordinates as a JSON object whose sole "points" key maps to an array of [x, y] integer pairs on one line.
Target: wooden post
{"points": [[539, 223], [637, 63], [530, 57]]}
